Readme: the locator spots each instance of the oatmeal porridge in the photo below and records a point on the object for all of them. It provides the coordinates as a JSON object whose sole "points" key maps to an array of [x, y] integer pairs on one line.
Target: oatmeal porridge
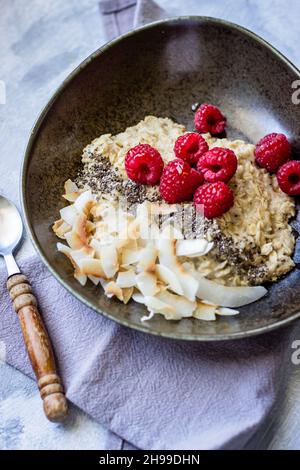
{"points": [[248, 245]]}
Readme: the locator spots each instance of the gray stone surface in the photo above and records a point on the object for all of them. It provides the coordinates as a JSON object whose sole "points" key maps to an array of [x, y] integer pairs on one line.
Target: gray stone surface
{"points": [[24, 426]]}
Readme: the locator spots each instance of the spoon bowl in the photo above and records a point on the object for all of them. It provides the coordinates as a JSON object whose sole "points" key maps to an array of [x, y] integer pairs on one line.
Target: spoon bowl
{"points": [[11, 227]]}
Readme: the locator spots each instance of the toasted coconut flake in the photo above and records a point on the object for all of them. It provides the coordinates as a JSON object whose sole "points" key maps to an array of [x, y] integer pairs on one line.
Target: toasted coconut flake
{"points": [[97, 210], [134, 230], [95, 280], [69, 253], [205, 312], [65, 228], [111, 289], [66, 250], [147, 284], [92, 267], [126, 279], [71, 191], [130, 256], [206, 302], [103, 283], [157, 306], [148, 258], [97, 245], [75, 256], [167, 276], [167, 257], [147, 317], [57, 224], [110, 218], [90, 226], [60, 228], [63, 248], [123, 242], [80, 227], [193, 248], [81, 278], [132, 244], [225, 311], [70, 186], [69, 214], [170, 232], [74, 240], [127, 294], [138, 297], [210, 246], [182, 306], [109, 260], [227, 296], [79, 255], [76, 243], [100, 230], [71, 197], [84, 202]]}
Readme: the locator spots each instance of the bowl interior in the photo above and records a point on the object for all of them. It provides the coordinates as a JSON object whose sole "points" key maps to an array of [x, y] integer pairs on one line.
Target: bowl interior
{"points": [[162, 69]]}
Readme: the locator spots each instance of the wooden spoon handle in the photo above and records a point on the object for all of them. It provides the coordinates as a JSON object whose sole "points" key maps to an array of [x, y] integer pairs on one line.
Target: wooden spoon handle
{"points": [[38, 347]]}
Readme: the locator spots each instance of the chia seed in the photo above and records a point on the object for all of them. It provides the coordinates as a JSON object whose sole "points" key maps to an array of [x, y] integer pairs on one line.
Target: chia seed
{"points": [[102, 178], [136, 193]]}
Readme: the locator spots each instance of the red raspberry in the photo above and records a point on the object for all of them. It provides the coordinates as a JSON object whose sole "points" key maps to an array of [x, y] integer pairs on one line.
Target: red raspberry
{"points": [[215, 198], [144, 164], [208, 118], [190, 147], [272, 151], [179, 181], [288, 178], [218, 164]]}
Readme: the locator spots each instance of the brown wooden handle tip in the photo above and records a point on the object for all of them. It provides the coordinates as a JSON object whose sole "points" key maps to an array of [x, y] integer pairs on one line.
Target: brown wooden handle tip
{"points": [[55, 403], [56, 407], [38, 347]]}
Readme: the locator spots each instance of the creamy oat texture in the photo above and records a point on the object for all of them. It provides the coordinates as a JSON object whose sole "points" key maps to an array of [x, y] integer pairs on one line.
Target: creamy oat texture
{"points": [[258, 220], [254, 241], [161, 133]]}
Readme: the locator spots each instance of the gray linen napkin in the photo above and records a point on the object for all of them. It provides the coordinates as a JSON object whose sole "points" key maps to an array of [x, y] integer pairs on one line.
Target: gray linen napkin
{"points": [[153, 392]]}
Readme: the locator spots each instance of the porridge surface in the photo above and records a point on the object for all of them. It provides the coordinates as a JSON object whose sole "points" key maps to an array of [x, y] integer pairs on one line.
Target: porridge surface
{"points": [[253, 240]]}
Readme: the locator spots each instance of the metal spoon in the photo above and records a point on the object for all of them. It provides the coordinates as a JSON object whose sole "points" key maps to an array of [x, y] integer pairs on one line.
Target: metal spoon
{"points": [[35, 335]]}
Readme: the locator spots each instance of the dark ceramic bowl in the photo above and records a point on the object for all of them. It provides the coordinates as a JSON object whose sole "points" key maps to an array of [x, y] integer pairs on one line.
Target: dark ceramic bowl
{"points": [[161, 69]]}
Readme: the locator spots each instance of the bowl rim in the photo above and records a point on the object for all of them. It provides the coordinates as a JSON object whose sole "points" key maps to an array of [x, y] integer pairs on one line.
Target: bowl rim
{"points": [[34, 132]]}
